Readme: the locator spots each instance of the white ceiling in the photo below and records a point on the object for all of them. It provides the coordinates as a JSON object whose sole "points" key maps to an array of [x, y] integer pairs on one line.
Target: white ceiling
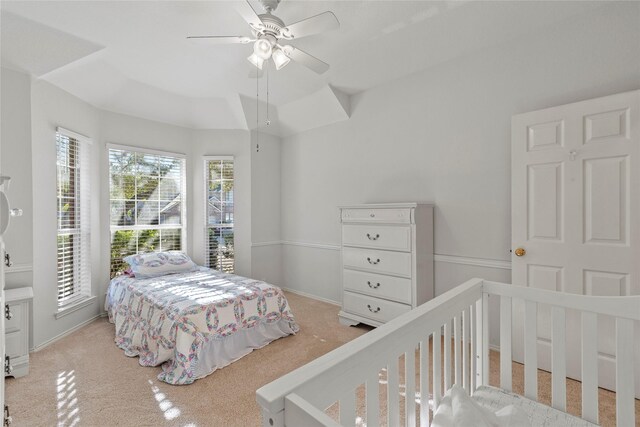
{"points": [[132, 56]]}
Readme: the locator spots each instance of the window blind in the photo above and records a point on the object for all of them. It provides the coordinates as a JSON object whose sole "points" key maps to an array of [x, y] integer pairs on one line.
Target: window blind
{"points": [[219, 206], [147, 194], [73, 216]]}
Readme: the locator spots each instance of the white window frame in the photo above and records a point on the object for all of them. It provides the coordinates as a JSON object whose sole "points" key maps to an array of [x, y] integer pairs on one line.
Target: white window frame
{"points": [[183, 190], [82, 294], [206, 160]]}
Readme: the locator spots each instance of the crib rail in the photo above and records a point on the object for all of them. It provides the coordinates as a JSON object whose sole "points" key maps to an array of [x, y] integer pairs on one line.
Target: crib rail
{"points": [[380, 367]]}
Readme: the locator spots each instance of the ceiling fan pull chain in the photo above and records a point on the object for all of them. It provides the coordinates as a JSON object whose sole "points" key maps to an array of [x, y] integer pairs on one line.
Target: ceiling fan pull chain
{"points": [[257, 115], [268, 122]]}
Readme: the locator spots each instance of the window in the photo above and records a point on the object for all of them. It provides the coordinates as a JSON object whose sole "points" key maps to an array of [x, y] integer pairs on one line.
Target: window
{"points": [[74, 228], [219, 213], [147, 198]]}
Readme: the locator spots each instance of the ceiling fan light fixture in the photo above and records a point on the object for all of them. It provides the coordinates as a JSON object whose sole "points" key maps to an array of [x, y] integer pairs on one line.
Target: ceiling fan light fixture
{"points": [[262, 48], [280, 59], [256, 60]]}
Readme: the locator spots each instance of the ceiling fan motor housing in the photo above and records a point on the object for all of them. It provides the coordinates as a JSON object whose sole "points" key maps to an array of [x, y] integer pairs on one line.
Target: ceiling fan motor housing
{"points": [[272, 26]]}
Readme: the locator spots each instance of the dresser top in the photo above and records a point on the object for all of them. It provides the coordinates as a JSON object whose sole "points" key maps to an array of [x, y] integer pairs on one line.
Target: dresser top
{"points": [[385, 205]]}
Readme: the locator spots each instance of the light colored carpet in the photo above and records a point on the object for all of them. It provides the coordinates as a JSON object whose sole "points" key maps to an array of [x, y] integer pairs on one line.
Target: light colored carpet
{"points": [[85, 380]]}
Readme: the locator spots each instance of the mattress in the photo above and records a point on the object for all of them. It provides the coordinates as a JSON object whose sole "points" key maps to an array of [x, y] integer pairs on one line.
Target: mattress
{"points": [[540, 415], [196, 322]]}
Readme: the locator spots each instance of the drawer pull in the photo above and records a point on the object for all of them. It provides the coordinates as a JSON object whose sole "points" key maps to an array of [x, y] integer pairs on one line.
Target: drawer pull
{"points": [[7, 312], [376, 286], [373, 262], [372, 215], [372, 310], [8, 369], [376, 237]]}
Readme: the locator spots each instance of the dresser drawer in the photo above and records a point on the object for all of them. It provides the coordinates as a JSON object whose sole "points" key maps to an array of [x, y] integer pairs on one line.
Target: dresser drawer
{"points": [[378, 285], [386, 262], [377, 236], [15, 344], [373, 308], [16, 321], [393, 215]]}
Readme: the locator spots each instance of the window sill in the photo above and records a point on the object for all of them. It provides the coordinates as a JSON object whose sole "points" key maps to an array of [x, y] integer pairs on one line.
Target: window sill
{"points": [[74, 306]]}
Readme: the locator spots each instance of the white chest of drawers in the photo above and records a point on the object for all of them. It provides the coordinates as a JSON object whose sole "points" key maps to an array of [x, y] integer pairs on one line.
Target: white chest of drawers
{"points": [[387, 260], [17, 330]]}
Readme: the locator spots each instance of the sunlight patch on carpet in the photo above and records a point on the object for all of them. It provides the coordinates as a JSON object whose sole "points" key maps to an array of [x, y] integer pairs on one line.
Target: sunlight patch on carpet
{"points": [[68, 411], [167, 407]]}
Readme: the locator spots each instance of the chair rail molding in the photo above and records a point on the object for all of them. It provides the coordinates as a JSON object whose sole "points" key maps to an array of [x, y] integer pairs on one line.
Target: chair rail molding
{"points": [[450, 259], [19, 268]]}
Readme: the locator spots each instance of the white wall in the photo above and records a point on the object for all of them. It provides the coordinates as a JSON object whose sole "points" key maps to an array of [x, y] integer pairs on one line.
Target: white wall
{"points": [[51, 107], [266, 256], [443, 136], [15, 144]]}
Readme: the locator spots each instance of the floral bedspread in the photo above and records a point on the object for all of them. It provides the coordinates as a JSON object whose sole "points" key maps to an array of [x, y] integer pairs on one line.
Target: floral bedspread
{"points": [[167, 320]]}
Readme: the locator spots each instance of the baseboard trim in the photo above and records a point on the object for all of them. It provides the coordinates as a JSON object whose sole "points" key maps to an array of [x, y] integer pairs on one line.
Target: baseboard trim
{"points": [[315, 297], [476, 262], [67, 332]]}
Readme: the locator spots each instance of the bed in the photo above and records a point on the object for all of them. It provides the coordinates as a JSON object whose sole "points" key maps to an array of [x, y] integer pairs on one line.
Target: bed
{"points": [[364, 379], [194, 322]]}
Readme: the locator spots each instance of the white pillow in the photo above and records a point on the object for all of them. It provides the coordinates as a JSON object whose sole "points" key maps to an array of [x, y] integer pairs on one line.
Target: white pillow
{"points": [[154, 264]]}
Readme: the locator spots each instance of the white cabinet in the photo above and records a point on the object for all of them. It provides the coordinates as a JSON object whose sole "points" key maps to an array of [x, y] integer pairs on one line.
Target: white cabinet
{"points": [[16, 330], [387, 260]]}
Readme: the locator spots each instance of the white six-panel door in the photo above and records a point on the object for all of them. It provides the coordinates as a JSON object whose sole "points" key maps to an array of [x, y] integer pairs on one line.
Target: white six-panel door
{"points": [[576, 215]]}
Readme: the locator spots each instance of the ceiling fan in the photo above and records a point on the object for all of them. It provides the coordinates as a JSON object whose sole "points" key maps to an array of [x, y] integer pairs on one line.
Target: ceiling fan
{"points": [[269, 31]]}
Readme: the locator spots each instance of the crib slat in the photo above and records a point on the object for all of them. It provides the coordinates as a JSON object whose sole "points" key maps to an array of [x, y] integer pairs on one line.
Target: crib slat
{"points": [[625, 415], [484, 356], [437, 369], [590, 367], [447, 355], [456, 351], [558, 359], [531, 350], [410, 387], [373, 401], [393, 404], [424, 383], [478, 349], [472, 325], [348, 409], [505, 343], [465, 350]]}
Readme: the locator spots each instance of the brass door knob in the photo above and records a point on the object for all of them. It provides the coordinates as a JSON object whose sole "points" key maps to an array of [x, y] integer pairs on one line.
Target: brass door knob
{"points": [[520, 252]]}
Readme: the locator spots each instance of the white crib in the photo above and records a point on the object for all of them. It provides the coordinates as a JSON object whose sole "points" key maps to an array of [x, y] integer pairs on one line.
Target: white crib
{"points": [[301, 397]]}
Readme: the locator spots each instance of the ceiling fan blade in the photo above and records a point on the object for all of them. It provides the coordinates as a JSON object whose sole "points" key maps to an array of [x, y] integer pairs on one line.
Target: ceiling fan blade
{"points": [[220, 39], [247, 12], [316, 24], [305, 59]]}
